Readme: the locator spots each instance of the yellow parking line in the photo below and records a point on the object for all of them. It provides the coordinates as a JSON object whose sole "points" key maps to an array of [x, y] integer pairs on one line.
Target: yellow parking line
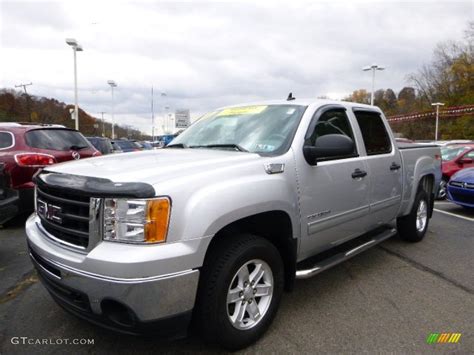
{"points": [[454, 215]]}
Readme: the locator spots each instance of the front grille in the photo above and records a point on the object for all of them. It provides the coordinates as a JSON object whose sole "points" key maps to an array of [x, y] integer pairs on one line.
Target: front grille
{"points": [[462, 198], [65, 215], [456, 183], [462, 185]]}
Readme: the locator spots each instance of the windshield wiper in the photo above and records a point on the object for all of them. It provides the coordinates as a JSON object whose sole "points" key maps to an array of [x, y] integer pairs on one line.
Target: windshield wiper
{"points": [[177, 145], [235, 146], [78, 147]]}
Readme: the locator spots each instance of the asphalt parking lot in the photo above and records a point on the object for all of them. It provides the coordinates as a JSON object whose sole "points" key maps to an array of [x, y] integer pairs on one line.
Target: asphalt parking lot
{"points": [[388, 299]]}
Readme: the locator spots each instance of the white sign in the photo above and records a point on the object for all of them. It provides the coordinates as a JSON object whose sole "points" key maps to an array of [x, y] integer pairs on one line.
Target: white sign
{"points": [[182, 118]]}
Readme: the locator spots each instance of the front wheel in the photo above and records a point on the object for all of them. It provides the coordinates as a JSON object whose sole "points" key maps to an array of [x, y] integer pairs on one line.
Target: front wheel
{"points": [[240, 290], [413, 227]]}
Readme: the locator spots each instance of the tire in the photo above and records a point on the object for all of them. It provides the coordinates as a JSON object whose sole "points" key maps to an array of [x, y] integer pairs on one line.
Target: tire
{"points": [[412, 228], [442, 192], [223, 276]]}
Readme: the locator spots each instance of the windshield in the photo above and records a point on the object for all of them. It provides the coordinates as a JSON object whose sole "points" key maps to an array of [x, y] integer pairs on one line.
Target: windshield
{"points": [[451, 152], [256, 129], [56, 139]]}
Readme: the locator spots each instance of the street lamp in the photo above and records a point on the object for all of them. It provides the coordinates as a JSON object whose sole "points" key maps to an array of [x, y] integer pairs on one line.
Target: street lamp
{"points": [[103, 123], [373, 67], [437, 104], [163, 94], [112, 86], [166, 119], [76, 47]]}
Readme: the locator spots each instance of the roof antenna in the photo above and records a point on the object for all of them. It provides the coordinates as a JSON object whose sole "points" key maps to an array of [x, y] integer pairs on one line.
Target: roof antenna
{"points": [[290, 97]]}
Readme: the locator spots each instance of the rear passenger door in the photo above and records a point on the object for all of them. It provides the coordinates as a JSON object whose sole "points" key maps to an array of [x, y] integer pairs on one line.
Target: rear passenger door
{"points": [[384, 167]]}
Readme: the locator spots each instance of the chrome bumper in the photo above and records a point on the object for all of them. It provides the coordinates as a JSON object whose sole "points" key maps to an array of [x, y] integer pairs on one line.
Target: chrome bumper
{"points": [[147, 298]]}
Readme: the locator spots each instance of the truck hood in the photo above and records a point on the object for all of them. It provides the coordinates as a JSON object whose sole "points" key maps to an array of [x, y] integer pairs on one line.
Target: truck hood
{"points": [[154, 166]]}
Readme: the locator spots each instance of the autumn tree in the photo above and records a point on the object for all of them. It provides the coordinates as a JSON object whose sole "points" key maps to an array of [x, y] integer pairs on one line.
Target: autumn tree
{"points": [[449, 77]]}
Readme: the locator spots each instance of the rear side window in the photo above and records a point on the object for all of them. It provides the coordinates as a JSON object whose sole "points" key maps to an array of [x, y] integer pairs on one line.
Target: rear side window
{"points": [[56, 139], [6, 140], [376, 139]]}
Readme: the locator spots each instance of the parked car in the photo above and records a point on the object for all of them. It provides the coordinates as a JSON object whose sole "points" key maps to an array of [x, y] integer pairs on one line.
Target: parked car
{"points": [[125, 146], [461, 188], [102, 144], [165, 139], [24, 149], [145, 145], [455, 157], [219, 223]]}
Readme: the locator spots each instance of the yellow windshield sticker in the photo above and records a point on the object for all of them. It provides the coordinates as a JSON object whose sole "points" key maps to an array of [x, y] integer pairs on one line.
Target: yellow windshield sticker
{"points": [[244, 110]]}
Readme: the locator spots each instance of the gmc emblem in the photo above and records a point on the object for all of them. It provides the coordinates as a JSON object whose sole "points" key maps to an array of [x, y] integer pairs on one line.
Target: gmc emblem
{"points": [[48, 211]]}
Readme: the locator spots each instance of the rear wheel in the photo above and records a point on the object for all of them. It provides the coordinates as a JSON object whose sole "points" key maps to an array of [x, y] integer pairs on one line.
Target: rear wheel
{"points": [[413, 227], [240, 290]]}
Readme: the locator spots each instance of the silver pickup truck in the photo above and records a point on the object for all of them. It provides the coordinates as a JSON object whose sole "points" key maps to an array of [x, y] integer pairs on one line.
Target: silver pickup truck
{"points": [[212, 229]]}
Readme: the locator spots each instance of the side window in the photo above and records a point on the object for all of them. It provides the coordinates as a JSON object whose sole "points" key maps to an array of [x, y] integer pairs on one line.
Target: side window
{"points": [[332, 122], [6, 140], [470, 155], [376, 139]]}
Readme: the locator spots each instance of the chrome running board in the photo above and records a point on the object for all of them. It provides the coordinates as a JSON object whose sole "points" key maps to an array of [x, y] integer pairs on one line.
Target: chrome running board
{"points": [[342, 256]]}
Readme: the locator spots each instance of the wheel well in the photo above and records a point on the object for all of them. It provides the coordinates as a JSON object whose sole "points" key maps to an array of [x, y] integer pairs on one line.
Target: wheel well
{"points": [[276, 227], [426, 183]]}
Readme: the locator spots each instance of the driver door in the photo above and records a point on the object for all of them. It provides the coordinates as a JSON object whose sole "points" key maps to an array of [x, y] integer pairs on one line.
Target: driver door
{"points": [[334, 196]]}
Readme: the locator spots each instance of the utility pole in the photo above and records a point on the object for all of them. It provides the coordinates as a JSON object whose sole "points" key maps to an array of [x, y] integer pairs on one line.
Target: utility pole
{"points": [[437, 104], [152, 117], [23, 86], [103, 123], [27, 98]]}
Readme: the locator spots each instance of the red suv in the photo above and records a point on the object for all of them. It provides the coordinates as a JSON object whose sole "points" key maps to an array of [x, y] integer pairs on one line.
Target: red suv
{"points": [[455, 157], [26, 148]]}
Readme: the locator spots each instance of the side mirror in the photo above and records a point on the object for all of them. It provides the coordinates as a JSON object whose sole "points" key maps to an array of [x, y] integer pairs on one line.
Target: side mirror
{"points": [[465, 161], [329, 145]]}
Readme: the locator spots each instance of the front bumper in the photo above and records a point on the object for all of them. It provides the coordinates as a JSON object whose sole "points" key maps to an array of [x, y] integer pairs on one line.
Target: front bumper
{"points": [[135, 305], [461, 196]]}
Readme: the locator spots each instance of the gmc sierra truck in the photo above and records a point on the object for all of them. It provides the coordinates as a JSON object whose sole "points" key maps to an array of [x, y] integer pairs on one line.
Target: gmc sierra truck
{"points": [[212, 229]]}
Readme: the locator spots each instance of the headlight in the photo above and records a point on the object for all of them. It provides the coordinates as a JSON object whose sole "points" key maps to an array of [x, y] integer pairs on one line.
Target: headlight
{"points": [[136, 221]]}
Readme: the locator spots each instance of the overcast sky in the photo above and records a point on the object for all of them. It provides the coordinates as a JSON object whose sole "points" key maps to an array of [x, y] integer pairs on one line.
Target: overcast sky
{"points": [[210, 54]]}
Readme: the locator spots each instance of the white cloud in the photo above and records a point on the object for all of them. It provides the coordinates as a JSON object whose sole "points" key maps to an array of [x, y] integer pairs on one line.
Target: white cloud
{"points": [[209, 54]]}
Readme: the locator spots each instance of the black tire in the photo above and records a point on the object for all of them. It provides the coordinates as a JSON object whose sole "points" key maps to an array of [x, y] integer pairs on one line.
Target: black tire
{"points": [[407, 225], [226, 258]]}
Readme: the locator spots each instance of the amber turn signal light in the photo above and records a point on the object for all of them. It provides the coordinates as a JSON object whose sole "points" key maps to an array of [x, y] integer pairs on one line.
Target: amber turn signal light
{"points": [[157, 220]]}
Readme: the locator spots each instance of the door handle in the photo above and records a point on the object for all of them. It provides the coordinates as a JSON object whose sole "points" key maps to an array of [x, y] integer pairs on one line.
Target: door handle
{"points": [[358, 173], [394, 166]]}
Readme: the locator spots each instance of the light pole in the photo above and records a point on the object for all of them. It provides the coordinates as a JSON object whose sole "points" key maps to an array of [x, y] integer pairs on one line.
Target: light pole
{"points": [[437, 104], [76, 47], [112, 86], [166, 118], [163, 94], [103, 123], [373, 67]]}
